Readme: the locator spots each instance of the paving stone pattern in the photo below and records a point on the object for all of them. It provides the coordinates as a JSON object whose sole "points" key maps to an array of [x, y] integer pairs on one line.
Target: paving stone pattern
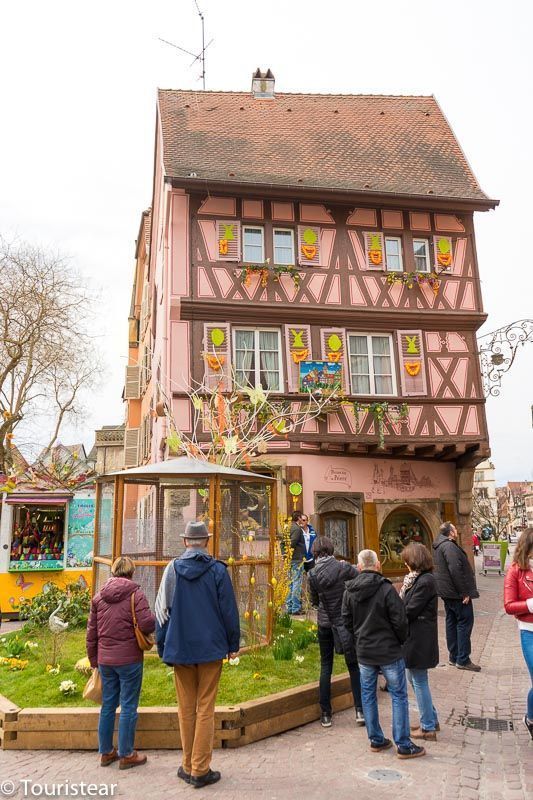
{"points": [[311, 762]]}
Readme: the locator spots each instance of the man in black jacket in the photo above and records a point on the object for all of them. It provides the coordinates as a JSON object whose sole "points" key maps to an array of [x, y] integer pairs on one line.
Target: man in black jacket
{"points": [[294, 599], [456, 585], [374, 613]]}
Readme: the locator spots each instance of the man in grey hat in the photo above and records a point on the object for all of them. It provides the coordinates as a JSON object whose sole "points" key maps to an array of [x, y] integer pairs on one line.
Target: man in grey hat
{"points": [[197, 627]]}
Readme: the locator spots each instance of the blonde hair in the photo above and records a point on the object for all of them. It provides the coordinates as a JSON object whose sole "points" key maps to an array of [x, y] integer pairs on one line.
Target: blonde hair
{"points": [[122, 567]]}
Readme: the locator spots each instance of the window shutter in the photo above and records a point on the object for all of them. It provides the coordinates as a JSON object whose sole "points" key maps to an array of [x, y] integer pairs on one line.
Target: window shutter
{"points": [[309, 245], [297, 348], [228, 240], [145, 308], [217, 355], [374, 250], [443, 252], [132, 387], [131, 447], [333, 344], [412, 364]]}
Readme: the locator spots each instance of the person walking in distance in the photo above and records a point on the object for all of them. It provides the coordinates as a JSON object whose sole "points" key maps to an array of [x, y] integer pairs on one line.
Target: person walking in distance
{"points": [[112, 647], [309, 539], [456, 585], [375, 615], [326, 589], [518, 599], [197, 627], [294, 599], [421, 650]]}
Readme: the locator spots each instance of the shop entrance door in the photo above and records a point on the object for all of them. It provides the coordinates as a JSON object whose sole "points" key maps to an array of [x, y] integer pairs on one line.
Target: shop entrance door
{"points": [[340, 528]]}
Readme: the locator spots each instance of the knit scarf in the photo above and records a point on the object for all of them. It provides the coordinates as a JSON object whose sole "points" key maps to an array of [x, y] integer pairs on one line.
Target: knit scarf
{"points": [[408, 581]]}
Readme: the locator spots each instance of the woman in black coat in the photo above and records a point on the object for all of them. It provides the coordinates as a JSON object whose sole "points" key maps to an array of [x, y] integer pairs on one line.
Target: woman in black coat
{"points": [[421, 650]]}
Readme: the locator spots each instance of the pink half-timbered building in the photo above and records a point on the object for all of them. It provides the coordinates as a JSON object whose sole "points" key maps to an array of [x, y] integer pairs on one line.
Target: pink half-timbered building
{"points": [[371, 200]]}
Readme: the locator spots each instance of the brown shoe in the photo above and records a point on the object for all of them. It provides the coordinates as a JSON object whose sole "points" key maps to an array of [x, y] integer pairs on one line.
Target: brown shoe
{"points": [[418, 727], [135, 760], [428, 736], [108, 758]]}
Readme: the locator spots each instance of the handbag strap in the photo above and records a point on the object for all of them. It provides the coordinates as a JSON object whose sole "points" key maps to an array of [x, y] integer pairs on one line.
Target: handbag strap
{"points": [[133, 610]]}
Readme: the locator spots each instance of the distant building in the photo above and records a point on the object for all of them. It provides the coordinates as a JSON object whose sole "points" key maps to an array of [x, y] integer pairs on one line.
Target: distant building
{"points": [[485, 501], [515, 504], [108, 449]]}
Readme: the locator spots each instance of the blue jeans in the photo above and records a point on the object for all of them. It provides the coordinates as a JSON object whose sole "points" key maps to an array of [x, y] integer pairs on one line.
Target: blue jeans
{"points": [[418, 678], [459, 624], [294, 600], [397, 685], [120, 686], [526, 640]]}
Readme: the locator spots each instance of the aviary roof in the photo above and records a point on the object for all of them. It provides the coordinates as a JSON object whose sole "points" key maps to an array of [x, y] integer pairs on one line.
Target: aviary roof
{"points": [[359, 143]]}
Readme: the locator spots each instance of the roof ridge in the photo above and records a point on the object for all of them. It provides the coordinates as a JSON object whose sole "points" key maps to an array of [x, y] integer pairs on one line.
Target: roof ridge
{"points": [[300, 94]]}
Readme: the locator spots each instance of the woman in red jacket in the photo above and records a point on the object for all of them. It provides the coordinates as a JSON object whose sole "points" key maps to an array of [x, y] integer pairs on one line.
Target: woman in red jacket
{"points": [[113, 648], [518, 599]]}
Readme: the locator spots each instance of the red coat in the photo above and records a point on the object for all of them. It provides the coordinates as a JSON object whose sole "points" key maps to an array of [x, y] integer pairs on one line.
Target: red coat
{"points": [[110, 635], [518, 588]]}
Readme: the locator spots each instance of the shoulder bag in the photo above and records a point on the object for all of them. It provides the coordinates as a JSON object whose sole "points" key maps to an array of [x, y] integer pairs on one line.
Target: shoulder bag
{"points": [[145, 641], [93, 687]]}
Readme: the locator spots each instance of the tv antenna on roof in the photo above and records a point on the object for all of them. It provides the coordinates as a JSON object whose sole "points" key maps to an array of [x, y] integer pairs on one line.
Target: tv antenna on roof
{"points": [[201, 55]]}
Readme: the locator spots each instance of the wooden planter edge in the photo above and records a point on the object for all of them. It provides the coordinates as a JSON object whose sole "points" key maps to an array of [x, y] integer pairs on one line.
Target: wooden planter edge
{"points": [[157, 727]]}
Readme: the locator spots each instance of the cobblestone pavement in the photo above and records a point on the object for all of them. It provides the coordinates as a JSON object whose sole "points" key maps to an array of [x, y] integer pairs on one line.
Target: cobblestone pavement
{"points": [[336, 763]]}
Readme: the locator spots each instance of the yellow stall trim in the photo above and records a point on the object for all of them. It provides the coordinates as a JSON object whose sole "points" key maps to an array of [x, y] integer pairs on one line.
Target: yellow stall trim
{"points": [[17, 585]]}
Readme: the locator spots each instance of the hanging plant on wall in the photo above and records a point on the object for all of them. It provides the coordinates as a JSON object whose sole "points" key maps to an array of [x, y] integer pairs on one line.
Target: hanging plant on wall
{"points": [[381, 412], [266, 271], [411, 279]]}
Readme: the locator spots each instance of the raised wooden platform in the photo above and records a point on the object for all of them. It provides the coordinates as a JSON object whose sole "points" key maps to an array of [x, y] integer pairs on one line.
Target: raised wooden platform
{"points": [[157, 727]]}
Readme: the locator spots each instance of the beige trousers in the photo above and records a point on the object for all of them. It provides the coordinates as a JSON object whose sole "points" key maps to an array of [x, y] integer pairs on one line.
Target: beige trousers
{"points": [[196, 689]]}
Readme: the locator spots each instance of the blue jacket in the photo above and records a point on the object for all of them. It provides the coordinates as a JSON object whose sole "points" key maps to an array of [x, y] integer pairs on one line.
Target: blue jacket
{"points": [[204, 619]]}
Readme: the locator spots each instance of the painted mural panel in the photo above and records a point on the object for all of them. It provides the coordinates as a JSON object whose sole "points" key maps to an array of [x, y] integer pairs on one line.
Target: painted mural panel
{"points": [[377, 479], [80, 541]]}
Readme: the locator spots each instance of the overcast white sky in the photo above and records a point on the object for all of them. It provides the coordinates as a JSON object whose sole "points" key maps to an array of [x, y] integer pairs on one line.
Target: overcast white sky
{"points": [[77, 131]]}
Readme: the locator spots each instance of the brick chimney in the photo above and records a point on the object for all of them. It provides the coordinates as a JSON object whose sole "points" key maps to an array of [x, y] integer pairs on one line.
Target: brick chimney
{"points": [[263, 84]]}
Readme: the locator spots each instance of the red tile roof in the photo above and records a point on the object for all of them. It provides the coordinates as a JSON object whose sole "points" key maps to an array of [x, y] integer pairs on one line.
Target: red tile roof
{"points": [[357, 143]]}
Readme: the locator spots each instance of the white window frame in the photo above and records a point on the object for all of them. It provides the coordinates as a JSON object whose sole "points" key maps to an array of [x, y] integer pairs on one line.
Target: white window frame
{"points": [[283, 230], [400, 254], [257, 363], [371, 373], [262, 231], [428, 256]]}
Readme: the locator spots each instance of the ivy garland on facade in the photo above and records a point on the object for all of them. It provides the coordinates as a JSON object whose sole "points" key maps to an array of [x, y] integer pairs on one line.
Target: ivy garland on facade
{"points": [[266, 270], [411, 279], [380, 411]]}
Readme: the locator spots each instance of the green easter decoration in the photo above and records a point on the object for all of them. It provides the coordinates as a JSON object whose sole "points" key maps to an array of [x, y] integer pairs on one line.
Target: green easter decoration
{"points": [[309, 236], [334, 343], [412, 346], [296, 488], [297, 340], [217, 337], [443, 245], [228, 232]]}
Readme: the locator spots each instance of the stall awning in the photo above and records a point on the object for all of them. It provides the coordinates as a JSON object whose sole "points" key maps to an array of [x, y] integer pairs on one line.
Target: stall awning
{"points": [[37, 499]]}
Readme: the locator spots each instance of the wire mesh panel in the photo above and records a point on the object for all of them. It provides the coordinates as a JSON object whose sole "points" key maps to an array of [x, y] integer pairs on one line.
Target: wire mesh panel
{"points": [[104, 546], [252, 591], [180, 503], [101, 574], [139, 521], [244, 520], [149, 578]]}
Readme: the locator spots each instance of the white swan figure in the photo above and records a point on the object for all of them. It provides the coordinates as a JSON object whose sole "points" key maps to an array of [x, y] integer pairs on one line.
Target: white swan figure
{"points": [[56, 624]]}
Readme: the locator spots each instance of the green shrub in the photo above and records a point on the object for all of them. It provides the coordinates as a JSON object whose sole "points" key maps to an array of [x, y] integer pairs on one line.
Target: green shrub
{"points": [[283, 649], [75, 605], [284, 621], [14, 647]]}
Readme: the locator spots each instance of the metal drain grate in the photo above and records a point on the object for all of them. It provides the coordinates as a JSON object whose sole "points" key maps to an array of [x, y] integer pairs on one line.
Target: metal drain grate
{"points": [[385, 775], [490, 724]]}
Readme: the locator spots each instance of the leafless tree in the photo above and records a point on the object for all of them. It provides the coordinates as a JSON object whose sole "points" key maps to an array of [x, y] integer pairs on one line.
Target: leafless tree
{"points": [[47, 356], [486, 514]]}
